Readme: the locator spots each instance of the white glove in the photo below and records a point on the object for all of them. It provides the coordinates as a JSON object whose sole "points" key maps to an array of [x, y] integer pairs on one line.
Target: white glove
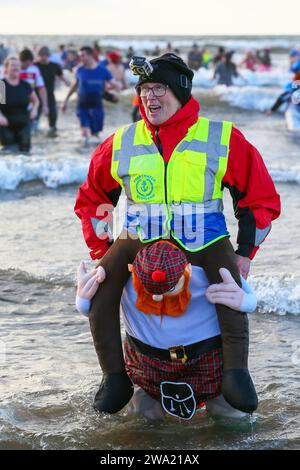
{"points": [[227, 292], [88, 283]]}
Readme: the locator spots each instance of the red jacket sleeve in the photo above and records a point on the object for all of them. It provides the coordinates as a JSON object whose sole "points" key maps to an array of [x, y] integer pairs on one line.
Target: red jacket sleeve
{"points": [[255, 200], [96, 198]]}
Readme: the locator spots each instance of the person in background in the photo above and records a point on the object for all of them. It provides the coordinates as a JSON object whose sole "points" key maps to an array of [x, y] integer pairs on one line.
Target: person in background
{"points": [[90, 82], [169, 48], [264, 60], [97, 51], [225, 70], [3, 53], [15, 116], [156, 51], [218, 57], [63, 54], [207, 58], [31, 74], [290, 97], [194, 58], [110, 95], [117, 69], [135, 113], [72, 60], [49, 71], [250, 61], [294, 56], [129, 54]]}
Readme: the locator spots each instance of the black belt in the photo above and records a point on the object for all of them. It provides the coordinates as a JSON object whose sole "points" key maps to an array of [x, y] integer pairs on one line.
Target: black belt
{"points": [[175, 353]]}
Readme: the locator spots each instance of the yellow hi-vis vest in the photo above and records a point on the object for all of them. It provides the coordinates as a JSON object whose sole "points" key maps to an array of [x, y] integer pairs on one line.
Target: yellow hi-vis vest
{"points": [[182, 198]]}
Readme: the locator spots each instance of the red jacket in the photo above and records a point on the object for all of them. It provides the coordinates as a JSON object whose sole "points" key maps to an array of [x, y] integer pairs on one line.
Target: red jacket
{"points": [[255, 200]]}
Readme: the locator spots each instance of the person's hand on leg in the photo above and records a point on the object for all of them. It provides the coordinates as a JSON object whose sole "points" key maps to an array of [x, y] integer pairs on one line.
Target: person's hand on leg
{"points": [[227, 292], [88, 282]]}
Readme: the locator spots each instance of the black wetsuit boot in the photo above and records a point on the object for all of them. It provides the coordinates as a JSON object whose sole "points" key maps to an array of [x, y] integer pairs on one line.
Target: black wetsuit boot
{"points": [[116, 389], [237, 386]]}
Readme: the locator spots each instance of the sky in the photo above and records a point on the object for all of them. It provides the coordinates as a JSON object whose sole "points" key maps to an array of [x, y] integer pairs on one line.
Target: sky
{"points": [[150, 17]]}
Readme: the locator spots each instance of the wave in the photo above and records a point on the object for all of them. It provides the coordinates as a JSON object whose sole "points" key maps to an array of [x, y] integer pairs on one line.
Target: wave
{"points": [[251, 98], [203, 78], [23, 168], [56, 173], [12, 275], [279, 295], [285, 176]]}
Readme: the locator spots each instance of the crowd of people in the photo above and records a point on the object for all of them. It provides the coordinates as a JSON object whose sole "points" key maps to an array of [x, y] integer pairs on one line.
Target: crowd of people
{"points": [[97, 75], [33, 75]]}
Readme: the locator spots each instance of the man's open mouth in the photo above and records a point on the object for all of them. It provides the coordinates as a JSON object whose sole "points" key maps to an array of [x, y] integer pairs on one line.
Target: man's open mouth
{"points": [[154, 109]]}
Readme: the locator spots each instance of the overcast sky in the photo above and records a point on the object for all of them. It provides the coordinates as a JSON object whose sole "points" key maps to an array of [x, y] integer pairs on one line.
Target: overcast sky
{"points": [[144, 17]]}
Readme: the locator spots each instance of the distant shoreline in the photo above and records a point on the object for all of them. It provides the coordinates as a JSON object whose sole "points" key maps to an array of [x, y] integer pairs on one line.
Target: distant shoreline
{"points": [[279, 44]]}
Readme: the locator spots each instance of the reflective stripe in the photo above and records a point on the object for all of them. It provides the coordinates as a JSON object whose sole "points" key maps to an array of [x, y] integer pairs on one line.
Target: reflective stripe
{"points": [[213, 149], [148, 220], [151, 220], [260, 234], [194, 231], [102, 228], [126, 152], [215, 205]]}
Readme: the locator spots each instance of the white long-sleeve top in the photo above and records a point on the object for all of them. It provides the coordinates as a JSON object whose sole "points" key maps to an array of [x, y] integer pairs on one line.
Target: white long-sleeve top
{"points": [[199, 322]]}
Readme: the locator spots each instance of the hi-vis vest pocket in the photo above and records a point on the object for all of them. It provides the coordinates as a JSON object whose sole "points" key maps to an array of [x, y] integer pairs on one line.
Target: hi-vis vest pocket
{"points": [[187, 177]]}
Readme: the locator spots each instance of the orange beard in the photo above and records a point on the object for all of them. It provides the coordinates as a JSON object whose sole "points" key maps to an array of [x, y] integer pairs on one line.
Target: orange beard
{"points": [[172, 305]]}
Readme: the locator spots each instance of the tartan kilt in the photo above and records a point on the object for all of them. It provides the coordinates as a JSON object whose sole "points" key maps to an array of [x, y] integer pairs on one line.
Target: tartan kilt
{"points": [[203, 374]]}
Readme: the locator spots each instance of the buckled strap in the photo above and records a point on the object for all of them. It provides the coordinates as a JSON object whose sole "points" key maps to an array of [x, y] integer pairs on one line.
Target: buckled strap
{"points": [[178, 352], [183, 353]]}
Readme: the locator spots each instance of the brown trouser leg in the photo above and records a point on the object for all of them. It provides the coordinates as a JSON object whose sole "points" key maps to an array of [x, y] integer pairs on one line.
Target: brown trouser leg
{"points": [[105, 317], [237, 386], [105, 312], [233, 324]]}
